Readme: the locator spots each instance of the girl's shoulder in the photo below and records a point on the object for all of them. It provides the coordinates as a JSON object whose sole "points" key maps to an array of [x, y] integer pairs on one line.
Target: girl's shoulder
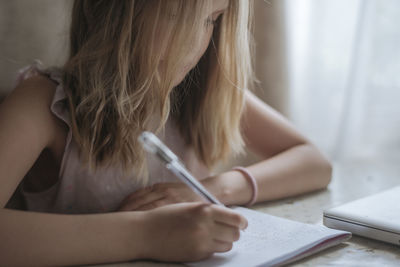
{"points": [[28, 128], [29, 106]]}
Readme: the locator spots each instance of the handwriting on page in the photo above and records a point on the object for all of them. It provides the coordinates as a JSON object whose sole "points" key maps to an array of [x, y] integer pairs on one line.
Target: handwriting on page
{"points": [[270, 240], [270, 234], [258, 232]]}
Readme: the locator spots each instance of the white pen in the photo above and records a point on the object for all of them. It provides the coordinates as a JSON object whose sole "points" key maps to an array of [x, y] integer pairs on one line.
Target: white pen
{"points": [[152, 144]]}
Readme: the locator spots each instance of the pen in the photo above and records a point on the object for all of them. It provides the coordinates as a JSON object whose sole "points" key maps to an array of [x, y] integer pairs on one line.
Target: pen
{"points": [[153, 145]]}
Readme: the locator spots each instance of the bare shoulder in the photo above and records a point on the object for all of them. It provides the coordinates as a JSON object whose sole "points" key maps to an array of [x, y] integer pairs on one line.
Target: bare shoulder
{"points": [[28, 107]]}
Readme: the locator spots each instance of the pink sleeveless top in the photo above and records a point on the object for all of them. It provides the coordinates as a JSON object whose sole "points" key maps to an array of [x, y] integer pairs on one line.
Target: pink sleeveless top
{"points": [[77, 190]]}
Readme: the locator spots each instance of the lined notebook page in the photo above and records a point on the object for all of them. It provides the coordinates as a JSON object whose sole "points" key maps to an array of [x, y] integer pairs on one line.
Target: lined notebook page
{"points": [[270, 240]]}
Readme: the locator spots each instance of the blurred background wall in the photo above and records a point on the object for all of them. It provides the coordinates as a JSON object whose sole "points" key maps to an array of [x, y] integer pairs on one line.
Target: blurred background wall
{"points": [[31, 30]]}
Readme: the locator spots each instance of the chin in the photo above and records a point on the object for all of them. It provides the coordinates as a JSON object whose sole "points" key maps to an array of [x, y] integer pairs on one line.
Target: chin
{"points": [[181, 78]]}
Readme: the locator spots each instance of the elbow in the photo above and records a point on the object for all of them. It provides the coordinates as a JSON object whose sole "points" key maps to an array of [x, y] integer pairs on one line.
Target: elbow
{"points": [[326, 173], [322, 168], [325, 170]]}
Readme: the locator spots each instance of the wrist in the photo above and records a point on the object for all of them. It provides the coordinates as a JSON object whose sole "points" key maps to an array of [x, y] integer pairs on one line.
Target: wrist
{"points": [[229, 187], [252, 182]]}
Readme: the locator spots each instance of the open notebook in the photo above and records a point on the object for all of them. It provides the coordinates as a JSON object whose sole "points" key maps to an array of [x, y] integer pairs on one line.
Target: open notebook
{"points": [[270, 240]]}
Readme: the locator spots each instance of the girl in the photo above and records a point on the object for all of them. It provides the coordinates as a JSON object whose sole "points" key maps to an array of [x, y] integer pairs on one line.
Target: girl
{"points": [[69, 138]]}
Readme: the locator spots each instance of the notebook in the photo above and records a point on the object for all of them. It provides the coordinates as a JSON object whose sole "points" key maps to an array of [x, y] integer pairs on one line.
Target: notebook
{"points": [[271, 241], [376, 216]]}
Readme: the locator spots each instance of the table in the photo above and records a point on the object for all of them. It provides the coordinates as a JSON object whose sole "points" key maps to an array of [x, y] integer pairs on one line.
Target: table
{"points": [[351, 180]]}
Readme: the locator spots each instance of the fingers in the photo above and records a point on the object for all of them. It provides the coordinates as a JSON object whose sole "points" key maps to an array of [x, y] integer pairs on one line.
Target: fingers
{"points": [[226, 229], [224, 237], [141, 198], [152, 205], [229, 217], [140, 192], [220, 246], [171, 192], [226, 233]]}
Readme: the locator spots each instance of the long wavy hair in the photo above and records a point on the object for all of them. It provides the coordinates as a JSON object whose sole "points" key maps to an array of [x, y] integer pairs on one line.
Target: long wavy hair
{"points": [[115, 90]]}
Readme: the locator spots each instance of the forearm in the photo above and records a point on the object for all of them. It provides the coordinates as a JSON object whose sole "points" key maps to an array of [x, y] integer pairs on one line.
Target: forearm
{"points": [[298, 170], [43, 239]]}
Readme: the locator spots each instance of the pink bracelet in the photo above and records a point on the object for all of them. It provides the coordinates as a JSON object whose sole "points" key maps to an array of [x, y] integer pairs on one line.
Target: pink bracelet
{"points": [[252, 181]]}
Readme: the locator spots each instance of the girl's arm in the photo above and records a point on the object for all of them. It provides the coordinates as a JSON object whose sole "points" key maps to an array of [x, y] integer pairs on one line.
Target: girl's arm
{"points": [[41, 239], [291, 165], [31, 238], [180, 232], [183, 232]]}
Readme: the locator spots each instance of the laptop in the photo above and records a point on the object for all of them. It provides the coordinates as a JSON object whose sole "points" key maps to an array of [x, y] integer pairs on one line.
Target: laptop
{"points": [[376, 216]]}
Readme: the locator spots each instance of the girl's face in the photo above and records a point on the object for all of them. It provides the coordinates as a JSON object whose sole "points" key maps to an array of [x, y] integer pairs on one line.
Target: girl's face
{"points": [[191, 60]]}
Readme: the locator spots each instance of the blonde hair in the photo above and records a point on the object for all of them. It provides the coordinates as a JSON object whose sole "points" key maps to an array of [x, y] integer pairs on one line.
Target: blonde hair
{"points": [[115, 90]]}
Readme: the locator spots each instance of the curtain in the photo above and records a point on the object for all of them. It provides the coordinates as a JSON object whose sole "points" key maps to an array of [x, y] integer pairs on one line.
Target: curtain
{"points": [[344, 75], [271, 53]]}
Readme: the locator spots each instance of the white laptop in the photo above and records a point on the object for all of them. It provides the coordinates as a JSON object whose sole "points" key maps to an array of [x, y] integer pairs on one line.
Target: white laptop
{"points": [[376, 216]]}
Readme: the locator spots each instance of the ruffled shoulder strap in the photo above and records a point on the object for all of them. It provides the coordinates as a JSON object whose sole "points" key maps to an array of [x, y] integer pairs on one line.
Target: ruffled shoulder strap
{"points": [[59, 105]]}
